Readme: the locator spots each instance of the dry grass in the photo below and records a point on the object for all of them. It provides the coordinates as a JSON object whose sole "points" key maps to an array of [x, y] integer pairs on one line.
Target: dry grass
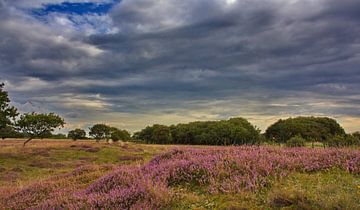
{"points": [[43, 159]]}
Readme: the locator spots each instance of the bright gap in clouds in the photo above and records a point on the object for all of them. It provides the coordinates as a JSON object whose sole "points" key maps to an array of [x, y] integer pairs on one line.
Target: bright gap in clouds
{"points": [[84, 17], [231, 1], [74, 8]]}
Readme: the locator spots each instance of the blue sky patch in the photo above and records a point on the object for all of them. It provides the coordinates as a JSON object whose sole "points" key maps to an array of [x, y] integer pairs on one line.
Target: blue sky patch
{"points": [[75, 8]]}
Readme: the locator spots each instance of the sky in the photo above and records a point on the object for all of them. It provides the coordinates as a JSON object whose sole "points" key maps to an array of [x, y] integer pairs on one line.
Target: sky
{"points": [[132, 63]]}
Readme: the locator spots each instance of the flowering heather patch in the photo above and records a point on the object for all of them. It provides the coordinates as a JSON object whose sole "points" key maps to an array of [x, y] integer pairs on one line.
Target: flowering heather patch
{"points": [[213, 169]]}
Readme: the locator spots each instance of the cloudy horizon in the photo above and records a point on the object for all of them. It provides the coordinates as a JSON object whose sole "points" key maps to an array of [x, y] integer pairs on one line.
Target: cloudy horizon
{"points": [[132, 63]]}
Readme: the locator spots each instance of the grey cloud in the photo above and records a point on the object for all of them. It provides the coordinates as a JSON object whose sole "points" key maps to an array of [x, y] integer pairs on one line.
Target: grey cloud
{"points": [[169, 57]]}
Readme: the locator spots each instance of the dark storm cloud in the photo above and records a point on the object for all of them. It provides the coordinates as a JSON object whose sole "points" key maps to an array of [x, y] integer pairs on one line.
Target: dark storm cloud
{"points": [[265, 58]]}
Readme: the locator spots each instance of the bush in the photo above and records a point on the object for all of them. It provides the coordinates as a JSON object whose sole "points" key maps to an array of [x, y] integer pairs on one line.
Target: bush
{"points": [[336, 141], [296, 141], [351, 140], [343, 141]]}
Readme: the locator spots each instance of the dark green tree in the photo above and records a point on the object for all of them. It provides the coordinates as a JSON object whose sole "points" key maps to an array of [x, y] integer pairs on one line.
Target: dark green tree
{"points": [[35, 125], [156, 134], [310, 128], [100, 131], [77, 134], [7, 112], [117, 134], [9, 132]]}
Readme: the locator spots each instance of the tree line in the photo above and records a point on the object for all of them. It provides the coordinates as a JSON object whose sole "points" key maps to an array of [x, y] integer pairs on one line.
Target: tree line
{"points": [[235, 131]]}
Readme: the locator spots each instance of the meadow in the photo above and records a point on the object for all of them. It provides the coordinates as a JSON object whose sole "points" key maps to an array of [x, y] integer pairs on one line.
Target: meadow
{"points": [[84, 174]]}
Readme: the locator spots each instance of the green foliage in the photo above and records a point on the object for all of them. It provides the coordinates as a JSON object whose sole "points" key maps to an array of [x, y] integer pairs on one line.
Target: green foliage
{"points": [[310, 128], [343, 141], [117, 134], [9, 132], [156, 134], [100, 131], [37, 125], [335, 141], [356, 135], [296, 141], [235, 131], [7, 112], [45, 135], [351, 140], [77, 134]]}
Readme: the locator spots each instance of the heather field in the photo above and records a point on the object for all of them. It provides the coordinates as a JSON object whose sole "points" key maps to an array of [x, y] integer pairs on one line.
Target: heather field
{"points": [[82, 175]]}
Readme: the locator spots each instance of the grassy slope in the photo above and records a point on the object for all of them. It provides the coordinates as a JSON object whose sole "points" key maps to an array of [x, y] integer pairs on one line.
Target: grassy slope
{"points": [[40, 160]]}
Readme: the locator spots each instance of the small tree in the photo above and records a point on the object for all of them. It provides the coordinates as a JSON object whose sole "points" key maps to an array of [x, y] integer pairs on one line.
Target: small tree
{"points": [[7, 112], [117, 134], [336, 141], [77, 134], [100, 131], [351, 140], [35, 125]]}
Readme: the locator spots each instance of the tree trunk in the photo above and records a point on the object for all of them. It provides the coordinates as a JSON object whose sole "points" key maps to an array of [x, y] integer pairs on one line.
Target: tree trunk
{"points": [[27, 141]]}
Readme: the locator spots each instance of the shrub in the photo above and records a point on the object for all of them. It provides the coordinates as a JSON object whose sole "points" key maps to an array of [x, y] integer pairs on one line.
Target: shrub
{"points": [[296, 141], [351, 140], [336, 141]]}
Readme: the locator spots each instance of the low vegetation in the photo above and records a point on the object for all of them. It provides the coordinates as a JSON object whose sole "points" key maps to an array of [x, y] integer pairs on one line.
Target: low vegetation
{"points": [[188, 177]]}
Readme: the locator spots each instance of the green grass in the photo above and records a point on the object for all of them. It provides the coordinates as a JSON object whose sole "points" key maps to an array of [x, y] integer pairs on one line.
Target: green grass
{"points": [[333, 189], [19, 167], [41, 159]]}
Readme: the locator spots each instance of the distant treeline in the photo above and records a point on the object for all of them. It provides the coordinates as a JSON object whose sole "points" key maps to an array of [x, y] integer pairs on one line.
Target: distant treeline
{"points": [[235, 131]]}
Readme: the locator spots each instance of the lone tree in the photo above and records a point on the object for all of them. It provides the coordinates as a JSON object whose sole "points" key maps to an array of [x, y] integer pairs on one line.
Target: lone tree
{"points": [[77, 134], [36, 125], [7, 112], [100, 131]]}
